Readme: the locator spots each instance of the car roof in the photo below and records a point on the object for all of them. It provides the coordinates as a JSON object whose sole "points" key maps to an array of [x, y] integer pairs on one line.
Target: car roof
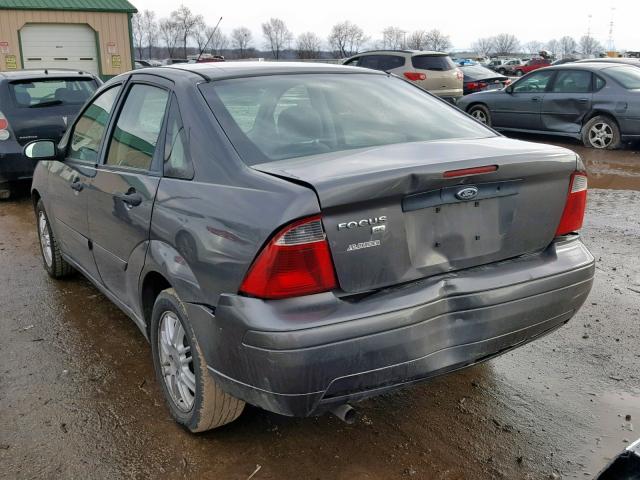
{"points": [[222, 70], [42, 73], [593, 66], [621, 60], [412, 52]]}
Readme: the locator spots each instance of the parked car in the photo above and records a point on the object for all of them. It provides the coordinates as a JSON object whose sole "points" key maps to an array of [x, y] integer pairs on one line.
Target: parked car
{"points": [[174, 61], [478, 78], [433, 71], [530, 66], [366, 235], [562, 61], [509, 67], [598, 103], [142, 63], [36, 104], [495, 63]]}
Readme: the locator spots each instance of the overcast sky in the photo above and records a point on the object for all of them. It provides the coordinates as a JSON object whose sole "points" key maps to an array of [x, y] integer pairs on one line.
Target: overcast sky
{"points": [[463, 20]]}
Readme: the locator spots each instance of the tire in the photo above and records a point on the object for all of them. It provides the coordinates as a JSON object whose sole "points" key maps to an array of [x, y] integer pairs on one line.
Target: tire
{"points": [[481, 113], [519, 73], [194, 399], [54, 264], [601, 132]]}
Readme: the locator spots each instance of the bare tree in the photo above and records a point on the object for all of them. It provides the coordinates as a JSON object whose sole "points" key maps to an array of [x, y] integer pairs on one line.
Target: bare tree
{"points": [[169, 32], [533, 47], [505, 43], [437, 41], [277, 36], [150, 27], [553, 46], [417, 40], [241, 39], [568, 46], [218, 42], [201, 36], [187, 22], [483, 46], [393, 38], [345, 39], [589, 46], [308, 45], [137, 33]]}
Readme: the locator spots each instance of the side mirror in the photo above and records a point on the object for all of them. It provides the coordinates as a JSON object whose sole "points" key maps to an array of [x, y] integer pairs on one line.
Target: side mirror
{"points": [[509, 89], [41, 150]]}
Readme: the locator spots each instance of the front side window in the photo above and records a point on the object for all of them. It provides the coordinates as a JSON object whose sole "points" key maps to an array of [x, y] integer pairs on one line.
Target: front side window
{"points": [[572, 81], [52, 92], [90, 127], [533, 83], [307, 114], [134, 138]]}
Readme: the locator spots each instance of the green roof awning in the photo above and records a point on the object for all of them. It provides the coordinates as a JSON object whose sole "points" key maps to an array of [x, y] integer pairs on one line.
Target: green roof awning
{"points": [[76, 5]]}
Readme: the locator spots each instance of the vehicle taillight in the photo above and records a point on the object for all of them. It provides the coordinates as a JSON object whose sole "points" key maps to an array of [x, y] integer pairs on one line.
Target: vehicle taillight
{"points": [[4, 127], [459, 74], [414, 76], [473, 86], [296, 262], [573, 214]]}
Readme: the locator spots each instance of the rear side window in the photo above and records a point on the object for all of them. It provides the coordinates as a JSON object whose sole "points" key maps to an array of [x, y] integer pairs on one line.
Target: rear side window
{"points": [[628, 77], [135, 136], [381, 62], [177, 161], [441, 63], [90, 127], [599, 82], [572, 81], [52, 92]]}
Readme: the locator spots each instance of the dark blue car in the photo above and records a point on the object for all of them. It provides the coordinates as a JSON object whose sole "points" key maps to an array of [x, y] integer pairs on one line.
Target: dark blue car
{"points": [[36, 104]]}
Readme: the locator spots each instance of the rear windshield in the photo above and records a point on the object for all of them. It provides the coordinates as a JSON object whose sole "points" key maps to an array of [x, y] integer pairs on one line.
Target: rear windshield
{"points": [[628, 77], [51, 92], [477, 72], [433, 62], [284, 116]]}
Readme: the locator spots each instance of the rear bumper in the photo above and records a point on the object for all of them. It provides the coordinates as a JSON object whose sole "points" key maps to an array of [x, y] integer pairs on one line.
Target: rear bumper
{"points": [[14, 165], [302, 356]]}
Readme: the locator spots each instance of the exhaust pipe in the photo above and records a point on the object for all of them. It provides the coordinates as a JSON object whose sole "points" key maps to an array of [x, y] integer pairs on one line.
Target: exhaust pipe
{"points": [[346, 413]]}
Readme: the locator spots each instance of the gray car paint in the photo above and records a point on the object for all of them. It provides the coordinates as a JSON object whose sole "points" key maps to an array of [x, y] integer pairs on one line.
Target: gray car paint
{"points": [[231, 210], [561, 114]]}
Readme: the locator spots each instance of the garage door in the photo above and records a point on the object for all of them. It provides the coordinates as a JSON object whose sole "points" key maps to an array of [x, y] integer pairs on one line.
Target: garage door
{"points": [[59, 46]]}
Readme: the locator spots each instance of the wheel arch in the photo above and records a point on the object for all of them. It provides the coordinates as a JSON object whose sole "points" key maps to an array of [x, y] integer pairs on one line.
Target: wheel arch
{"points": [[597, 112], [152, 284]]}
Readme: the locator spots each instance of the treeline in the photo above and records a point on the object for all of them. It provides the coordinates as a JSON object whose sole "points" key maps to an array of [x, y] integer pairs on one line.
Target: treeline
{"points": [[185, 33]]}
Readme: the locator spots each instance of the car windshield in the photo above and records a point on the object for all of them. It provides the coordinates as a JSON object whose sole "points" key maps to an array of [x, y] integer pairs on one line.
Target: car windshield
{"points": [[628, 77], [51, 92], [284, 116]]}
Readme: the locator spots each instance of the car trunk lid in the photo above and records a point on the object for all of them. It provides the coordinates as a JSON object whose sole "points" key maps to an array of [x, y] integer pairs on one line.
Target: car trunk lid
{"points": [[391, 215]]}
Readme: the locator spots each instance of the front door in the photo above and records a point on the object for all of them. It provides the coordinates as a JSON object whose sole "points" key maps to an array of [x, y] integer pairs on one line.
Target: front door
{"points": [[124, 189], [521, 107], [70, 180], [568, 101]]}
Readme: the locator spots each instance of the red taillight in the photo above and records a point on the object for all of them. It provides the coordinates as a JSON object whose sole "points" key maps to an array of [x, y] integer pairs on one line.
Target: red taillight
{"points": [[295, 262], [573, 214], [415, 76], [473, 86], [4, 127]]}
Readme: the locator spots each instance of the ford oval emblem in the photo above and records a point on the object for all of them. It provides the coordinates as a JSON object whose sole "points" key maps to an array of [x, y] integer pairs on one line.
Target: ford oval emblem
{"points": [[467, 193]]}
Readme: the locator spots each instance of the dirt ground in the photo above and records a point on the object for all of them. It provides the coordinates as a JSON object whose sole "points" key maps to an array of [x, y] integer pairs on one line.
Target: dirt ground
{"points": [[78, 398]]}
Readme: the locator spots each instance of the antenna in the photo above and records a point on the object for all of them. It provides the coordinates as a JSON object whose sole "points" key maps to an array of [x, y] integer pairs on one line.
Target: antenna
{"points": [[589, 26], [204, 47]]}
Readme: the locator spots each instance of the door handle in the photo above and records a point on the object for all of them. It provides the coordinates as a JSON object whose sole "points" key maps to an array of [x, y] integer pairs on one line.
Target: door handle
{"points": [[583, 100], [77, 185], [535, 99], [133, 199]]}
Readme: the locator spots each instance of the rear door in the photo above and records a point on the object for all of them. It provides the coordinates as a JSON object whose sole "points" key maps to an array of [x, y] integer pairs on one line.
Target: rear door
{"points": [[125, 184], [568, 101], [70, 180], [521, 108], [43, 108], [443, 76]]}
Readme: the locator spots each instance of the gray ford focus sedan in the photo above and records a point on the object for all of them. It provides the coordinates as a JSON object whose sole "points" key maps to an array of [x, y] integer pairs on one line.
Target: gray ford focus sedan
{"points": [[303, 236]]}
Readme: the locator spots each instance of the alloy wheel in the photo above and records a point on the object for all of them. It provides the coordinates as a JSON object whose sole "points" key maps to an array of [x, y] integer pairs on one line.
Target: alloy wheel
{"points": [[176, 361], [600, 135], [479, 115], [45, 239]]}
